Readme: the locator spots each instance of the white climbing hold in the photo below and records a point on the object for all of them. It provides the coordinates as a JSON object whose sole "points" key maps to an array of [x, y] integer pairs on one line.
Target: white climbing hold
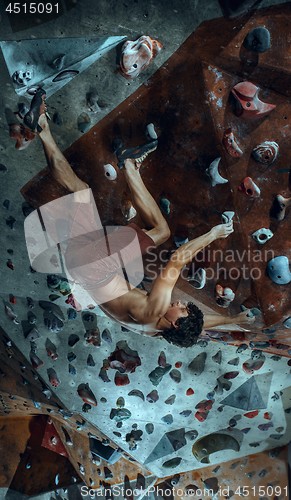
{"points": [[212, 172], [110, 172]]}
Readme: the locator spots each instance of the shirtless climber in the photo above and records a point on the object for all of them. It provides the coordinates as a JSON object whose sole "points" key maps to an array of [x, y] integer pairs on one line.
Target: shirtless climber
{"points": [[151, 313]]}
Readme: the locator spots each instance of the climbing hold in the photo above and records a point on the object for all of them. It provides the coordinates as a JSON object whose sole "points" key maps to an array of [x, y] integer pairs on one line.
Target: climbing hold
{"points": [[128, 210], [247, 102], [241, 348], [212, 443], [93, 337], [189, 392], [265, 427], [137, 55], [90, 360], [258, 40], [152, 397], [73, 339], [157, 374], [174, 462], [71, 313], [178, 364], [230, 144], [136, 392], [212, 172], [227, 216], [52, 322], [64, 75], [287, 322], [198, 279], [120, 402], [279, 207], [53, 378], [230, 375], [119, 414], [86, 394], [121, 379], [72, 370], [110, 172], [11, 314], [251, 414], [106, 336], [249, 187], [234, 361], [217, 357], [175, 375], [35, 360], [10, 264], [266, 152], [71, 356], [6, 204], [151, 132], [162, 359], [149, 428], [58, 62], [84, 122], [92, 101], [32, 334], [31, 318], [103, 375], [278, 270], [167, 419], [180, 240], [165, 205], [185, 413], [170, 400], [197, 365], [51, 349], [262, 235], [224, 296]]}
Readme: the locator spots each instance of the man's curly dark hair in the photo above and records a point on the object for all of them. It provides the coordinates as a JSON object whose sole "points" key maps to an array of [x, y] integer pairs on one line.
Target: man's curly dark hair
{"points": [[188, 329]]}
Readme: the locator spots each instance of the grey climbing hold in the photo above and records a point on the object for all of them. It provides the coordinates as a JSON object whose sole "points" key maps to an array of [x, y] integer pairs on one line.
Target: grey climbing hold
{"points": [[153, 396], [278, 270], [136, 392], [170, 400], [71, 313], [73, 339], [90, 360], [217, 357], [106, 336], [185, 413], [197, 365], [168, 419], [149, 428], [119, 414], [157, 374], [175, 375], [174, 462]]}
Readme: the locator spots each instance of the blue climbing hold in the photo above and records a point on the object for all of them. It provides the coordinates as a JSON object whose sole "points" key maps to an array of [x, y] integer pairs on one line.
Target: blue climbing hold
{"points": [[278, 270]]}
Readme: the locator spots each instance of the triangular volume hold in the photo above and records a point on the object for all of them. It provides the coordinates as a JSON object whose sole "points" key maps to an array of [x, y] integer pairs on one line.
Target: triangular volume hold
{"points": [[51, 63]]}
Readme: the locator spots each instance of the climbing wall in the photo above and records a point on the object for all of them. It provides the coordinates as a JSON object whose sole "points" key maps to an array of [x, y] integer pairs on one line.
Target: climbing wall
{"points": [[175, 410]]}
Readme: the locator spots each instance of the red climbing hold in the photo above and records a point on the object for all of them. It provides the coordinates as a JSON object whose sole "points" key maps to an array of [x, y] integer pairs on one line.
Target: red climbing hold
{"points": [[189, 392], [178, 364], [251, 414]]}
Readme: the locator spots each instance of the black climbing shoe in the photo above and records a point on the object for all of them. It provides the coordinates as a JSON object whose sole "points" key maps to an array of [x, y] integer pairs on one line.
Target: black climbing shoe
{"points": [[37, 108], [139, 153]]}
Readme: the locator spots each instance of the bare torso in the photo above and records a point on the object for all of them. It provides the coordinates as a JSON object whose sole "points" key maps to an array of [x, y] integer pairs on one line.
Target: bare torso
{"points": [[129, 309]]}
